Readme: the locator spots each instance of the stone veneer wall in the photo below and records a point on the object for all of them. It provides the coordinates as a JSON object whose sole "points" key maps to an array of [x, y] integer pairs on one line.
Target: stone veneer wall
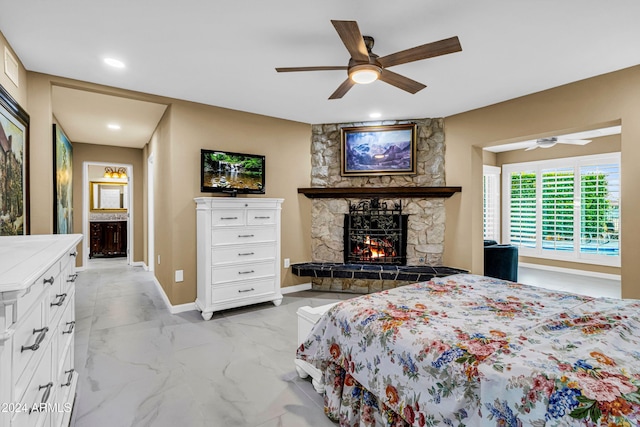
{"points": [[425, 239]]}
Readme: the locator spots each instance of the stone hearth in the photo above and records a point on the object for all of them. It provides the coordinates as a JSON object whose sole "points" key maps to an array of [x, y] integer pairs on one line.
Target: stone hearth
{"points": [[365, 278]]}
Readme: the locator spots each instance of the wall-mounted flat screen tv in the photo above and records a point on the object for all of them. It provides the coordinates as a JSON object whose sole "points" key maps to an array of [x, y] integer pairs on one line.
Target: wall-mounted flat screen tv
{"points": [[227, 172]]}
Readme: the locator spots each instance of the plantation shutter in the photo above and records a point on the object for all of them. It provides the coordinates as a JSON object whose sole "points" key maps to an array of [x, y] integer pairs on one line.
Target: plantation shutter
{"points": [[522, 209], [491, 202], [557, 209], [600, 213], [564, 209]]}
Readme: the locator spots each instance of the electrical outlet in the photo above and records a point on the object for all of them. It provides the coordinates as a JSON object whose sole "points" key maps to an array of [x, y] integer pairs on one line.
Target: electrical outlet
{"points": [[179, 276], [287, 262], [158, 259]]}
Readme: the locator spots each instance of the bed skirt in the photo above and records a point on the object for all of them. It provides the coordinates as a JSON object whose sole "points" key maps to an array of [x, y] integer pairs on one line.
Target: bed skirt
{"points": [[348, 403]]}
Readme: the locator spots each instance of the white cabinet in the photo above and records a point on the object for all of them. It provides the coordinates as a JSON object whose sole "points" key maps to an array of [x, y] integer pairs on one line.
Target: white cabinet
{"points": [[37, 319], [238, 244]]}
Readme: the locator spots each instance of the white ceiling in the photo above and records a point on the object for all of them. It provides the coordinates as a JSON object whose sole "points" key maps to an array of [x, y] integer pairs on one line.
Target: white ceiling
{"points": [[224, 53], [85, 117]]}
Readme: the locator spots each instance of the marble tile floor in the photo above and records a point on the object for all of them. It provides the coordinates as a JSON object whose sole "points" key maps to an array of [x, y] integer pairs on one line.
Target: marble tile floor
{"points": [[139, 365]]}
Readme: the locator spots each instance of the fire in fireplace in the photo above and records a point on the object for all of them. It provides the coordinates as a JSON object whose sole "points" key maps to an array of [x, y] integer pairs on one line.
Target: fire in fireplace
{"points": [[375, 233]]}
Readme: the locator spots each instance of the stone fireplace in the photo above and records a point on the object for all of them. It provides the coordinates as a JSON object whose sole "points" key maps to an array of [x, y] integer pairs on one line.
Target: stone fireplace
{"points": [[425, 223]]}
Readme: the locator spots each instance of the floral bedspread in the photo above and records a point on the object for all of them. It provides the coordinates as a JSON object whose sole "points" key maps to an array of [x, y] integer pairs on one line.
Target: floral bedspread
{"points": [[469, 350]]}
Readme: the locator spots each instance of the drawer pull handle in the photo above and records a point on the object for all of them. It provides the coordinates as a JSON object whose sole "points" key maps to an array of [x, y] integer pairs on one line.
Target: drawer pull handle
{"points": [[246, 290], [60, 301], [246, 272], [72, 277], [245, 235], [74, 254], [262, 217], [36, 345], [69, 378], [50, 280], [228, 217], [246, 253], [45, 397], [71, 326]]}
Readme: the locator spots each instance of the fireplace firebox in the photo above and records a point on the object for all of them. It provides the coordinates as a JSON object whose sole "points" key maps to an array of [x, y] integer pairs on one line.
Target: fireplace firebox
{"points": [[375, 233]]}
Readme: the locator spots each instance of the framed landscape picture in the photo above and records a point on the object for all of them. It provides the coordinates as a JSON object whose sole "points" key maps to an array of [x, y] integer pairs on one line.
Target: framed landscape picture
{"points": [[62, 182], [14, 167], [378, 150]]}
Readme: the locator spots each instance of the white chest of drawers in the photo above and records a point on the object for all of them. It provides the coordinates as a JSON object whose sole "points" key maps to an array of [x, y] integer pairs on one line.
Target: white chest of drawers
{"points": [[238, 250], [37, 312]]}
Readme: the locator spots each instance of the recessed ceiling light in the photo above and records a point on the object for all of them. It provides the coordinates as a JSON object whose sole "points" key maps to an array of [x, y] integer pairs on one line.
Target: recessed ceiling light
{"points": [[115, 63], [375, 115], [113, 126]]}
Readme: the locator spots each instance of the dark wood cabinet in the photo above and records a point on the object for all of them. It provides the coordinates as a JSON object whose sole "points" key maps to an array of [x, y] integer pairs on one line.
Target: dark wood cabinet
{"points": [[108, 238]]}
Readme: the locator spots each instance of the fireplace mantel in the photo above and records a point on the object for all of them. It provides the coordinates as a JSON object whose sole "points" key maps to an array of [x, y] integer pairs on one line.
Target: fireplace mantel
{"points": [[362, 192]]}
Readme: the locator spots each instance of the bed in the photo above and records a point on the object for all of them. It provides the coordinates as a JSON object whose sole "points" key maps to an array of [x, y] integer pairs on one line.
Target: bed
{"points": [[470, 350]]}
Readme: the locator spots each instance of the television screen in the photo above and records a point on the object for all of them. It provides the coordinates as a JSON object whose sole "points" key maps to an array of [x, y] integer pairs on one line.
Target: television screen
{"points": [[227, 172]]}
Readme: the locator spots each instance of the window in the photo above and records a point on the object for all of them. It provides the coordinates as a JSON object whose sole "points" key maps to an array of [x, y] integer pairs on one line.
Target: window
{"points": [[566, 209], [491, 202]]}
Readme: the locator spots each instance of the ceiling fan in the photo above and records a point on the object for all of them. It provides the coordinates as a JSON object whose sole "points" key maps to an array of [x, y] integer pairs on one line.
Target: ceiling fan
{"points": [[550, 142], [366, 67]]}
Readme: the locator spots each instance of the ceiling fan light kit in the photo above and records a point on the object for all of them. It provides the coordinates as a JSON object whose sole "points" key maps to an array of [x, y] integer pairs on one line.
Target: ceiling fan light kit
{"points": [[366, 67], [365, 73]]}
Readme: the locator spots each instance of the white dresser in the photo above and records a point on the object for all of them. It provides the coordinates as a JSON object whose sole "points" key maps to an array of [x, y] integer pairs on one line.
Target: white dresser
{"points": [[238, 244], [37, 320]]}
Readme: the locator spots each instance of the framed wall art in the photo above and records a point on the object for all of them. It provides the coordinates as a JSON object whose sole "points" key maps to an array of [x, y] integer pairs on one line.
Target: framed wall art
{"points": [[378, 150], [14, 167], [62, 182]]}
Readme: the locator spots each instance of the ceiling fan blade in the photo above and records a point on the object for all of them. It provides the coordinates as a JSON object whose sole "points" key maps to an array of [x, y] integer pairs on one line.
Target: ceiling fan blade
{"points": [[401, 82], [327, 68], [425, 51], [342, 89], [352, 39], [574, 141]]}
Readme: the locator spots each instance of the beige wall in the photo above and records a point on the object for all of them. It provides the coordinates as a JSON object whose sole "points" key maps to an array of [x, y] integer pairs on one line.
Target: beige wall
{"points": [[105, 154], [602, 100], [160, 148], [186, 129]]}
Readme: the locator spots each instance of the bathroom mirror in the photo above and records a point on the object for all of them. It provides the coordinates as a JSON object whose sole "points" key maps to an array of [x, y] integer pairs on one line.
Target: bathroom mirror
{"points": [[108, 196]]}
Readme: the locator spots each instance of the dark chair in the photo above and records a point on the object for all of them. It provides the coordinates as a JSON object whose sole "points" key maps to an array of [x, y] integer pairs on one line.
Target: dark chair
{"points": [[500, 261]]}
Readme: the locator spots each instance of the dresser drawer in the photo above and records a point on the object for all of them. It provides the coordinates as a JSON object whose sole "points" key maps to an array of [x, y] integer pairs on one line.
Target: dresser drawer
{"points": [[246, 290], [261, 216], [227, 217], [42, 283], [238, 272], [226, 255], [224, 236], [58, 298], [29, 342], [66, 326], [40, 389], [65, 384]]}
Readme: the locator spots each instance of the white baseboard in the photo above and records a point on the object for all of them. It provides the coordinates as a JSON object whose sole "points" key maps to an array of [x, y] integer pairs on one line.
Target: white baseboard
{"points": [[181, 308], [296, 288], [173, 309], [140, 264], [599, 275]]}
